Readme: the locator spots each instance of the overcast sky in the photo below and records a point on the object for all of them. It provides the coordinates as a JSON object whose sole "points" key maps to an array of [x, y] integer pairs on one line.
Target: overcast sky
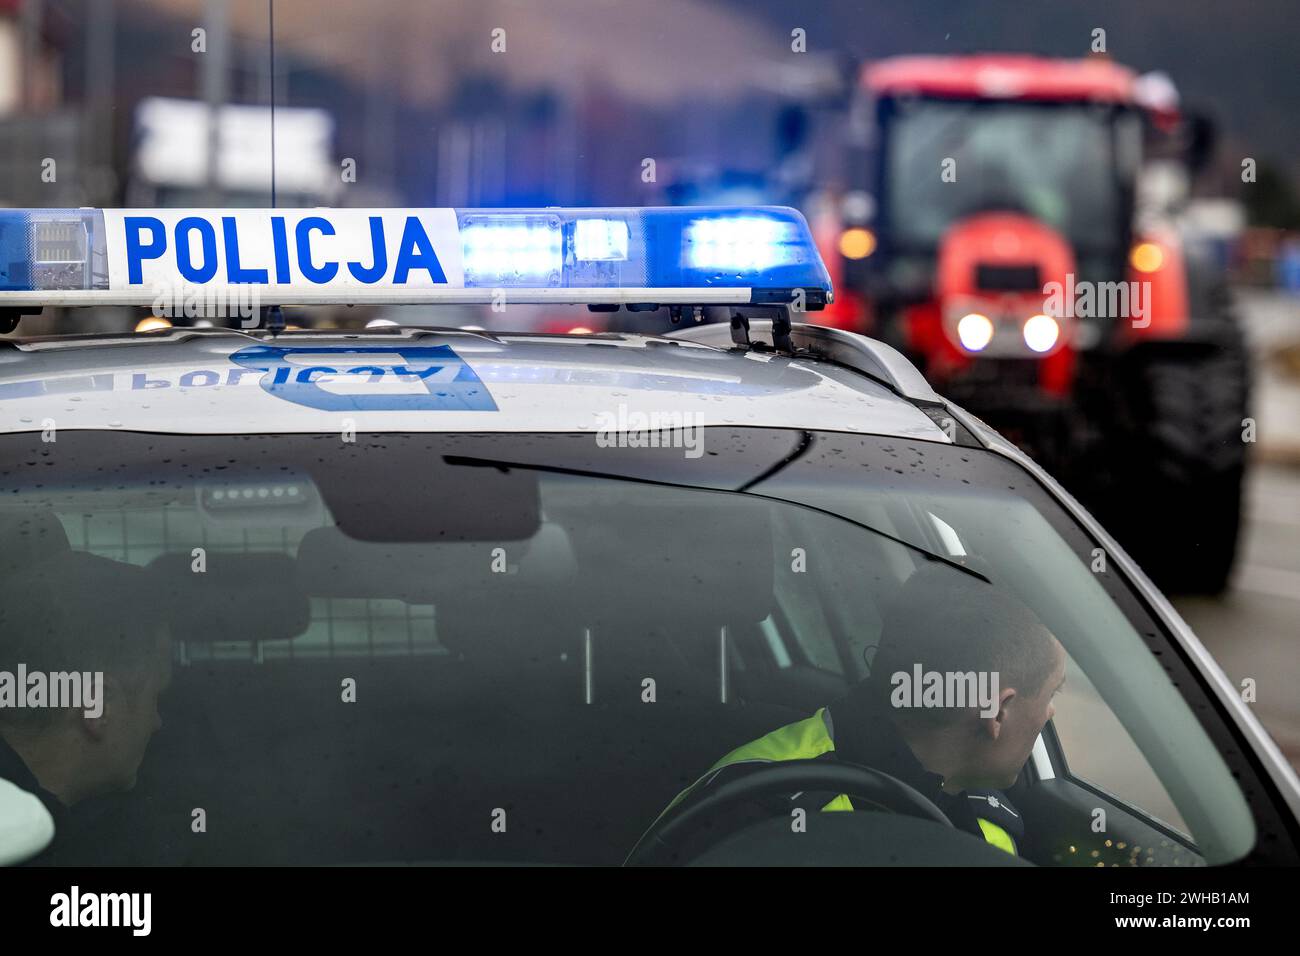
{"points": [[1239, 59]]}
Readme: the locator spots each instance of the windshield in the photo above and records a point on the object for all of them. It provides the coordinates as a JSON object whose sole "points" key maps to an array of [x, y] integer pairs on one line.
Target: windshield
{"points": [[450, 648], [1056, 163]]}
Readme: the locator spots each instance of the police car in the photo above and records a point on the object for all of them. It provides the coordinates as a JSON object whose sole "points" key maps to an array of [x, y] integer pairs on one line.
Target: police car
{"points": [[446, 595]]}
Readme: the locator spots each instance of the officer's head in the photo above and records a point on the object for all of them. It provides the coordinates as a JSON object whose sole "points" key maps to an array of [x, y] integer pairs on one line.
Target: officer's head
{"points": [[968, 673], [69, 613]]}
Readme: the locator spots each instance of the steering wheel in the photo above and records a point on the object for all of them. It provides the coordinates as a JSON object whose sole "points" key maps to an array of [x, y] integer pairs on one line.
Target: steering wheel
{"points": [[660, 844]]}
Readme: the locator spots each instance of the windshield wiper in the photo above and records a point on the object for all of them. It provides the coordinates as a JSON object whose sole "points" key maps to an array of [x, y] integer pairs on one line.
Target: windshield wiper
{"points": [[473, 462]]}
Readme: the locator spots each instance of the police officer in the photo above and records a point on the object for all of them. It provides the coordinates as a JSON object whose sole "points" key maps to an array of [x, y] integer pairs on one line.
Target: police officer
{"points": [[960, 756], [72, 611]]}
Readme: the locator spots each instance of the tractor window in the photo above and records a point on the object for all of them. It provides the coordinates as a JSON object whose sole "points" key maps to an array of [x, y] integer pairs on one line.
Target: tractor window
{"points": [[950, 160]]}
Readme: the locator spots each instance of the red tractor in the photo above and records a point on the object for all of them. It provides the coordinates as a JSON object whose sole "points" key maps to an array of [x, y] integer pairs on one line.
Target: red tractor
{"points": [[999, 242]]}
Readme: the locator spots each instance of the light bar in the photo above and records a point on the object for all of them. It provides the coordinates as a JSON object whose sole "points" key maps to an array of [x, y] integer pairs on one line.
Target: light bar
{"points": [[740, 243], [664, 256]]}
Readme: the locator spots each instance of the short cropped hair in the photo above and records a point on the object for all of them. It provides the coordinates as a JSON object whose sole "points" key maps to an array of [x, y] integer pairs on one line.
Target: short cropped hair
{"points": [[951, 622]]}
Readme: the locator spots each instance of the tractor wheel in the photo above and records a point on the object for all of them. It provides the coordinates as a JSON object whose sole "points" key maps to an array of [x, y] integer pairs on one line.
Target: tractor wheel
{"points": [[1186, 459]]}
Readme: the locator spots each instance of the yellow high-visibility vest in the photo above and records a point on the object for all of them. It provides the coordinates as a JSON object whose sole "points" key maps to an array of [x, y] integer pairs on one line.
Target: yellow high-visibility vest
{"points": [[804, 740]]}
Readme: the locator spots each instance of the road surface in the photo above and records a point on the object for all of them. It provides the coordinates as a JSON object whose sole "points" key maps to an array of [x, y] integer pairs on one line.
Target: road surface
{"points": [[1253, 630]]}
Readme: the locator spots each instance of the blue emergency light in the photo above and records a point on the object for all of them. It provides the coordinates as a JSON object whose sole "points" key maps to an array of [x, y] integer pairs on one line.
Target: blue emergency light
{"points": [[598, 256]]}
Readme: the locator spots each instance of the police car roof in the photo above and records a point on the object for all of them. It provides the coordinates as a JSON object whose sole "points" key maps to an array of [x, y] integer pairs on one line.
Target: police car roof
{"points": [[189, 381], [700, 260]]}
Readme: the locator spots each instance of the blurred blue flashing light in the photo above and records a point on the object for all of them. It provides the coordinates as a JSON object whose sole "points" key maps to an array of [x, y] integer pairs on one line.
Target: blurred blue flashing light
{"points": [[720, 254]]}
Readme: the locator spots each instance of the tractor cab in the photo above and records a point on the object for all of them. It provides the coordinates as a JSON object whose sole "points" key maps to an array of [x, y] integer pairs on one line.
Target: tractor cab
{"points": [[996, 237], [993, 182], [1068, 164]]}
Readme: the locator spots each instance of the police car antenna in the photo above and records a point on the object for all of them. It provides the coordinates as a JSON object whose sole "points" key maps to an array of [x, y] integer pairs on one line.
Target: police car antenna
{"points": [[270, 10], [272, 316]]}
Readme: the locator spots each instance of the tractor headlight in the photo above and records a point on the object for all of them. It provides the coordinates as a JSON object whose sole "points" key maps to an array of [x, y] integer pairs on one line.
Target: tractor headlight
{"points": [[975, 331], [1041, 332]]}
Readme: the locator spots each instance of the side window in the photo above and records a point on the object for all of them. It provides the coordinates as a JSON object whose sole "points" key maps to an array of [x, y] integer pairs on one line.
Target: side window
{"points": [[1099, 751], [826, 579], [807, 621]]}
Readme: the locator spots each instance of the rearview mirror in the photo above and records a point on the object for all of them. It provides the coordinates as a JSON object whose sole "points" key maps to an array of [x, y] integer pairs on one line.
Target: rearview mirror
{"points": [[465, 501]]}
